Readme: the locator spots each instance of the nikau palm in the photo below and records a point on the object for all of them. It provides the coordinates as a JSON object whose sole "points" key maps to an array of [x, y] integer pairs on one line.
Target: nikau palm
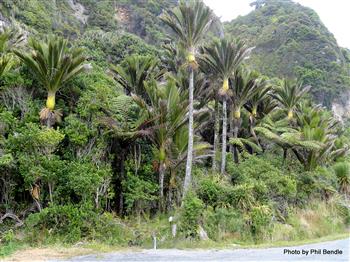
{"points": [[255, 103], [134, 70], [189, 21], [289, 94], [223, 57], [53, 64], [245, 85], [166, 110], [8, 40]]}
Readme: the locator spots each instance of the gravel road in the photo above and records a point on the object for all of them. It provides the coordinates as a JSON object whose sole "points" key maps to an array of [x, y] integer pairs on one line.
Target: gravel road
{"points": [[295, 253]]}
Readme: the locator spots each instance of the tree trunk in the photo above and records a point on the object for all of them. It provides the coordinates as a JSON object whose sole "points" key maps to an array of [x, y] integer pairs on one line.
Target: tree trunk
{"points": [[187, 181], [285, 151], [121, 178], [50, 192], [224, 135], [231, 147], [216, 133], [161, 185], [237, 122], [252, 131]]}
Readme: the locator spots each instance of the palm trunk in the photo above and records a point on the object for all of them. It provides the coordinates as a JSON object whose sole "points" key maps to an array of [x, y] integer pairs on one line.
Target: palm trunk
{"points": [[161, 185], [187, 181], [216, 133], [224, 135], [252, 131], [231, 147], [236, 122]]}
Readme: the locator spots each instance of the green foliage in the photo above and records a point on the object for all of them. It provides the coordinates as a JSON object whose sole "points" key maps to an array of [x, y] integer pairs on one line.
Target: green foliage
{"points": [[140, 190], [261, 217], [190, 215], [118, 143], [69, 224], [342, 171], [108, 47], [291, 41], [211, 191]]}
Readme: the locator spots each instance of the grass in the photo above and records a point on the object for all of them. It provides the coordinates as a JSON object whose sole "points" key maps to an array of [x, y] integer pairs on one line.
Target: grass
{"points": [[318, 222]]}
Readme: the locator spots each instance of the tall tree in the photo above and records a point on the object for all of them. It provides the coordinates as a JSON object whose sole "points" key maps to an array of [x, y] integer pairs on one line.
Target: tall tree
{"points": [[53, 64], [223, 57], [244, 87], [255, 104], [189, 21], [166, 111]]}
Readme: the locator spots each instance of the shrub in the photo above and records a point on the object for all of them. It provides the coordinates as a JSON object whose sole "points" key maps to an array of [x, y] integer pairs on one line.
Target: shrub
{"points": [[69, 224], [223, 223], [191, 214], [211, 190], [240, 196], [261, 218], [342, 172]]}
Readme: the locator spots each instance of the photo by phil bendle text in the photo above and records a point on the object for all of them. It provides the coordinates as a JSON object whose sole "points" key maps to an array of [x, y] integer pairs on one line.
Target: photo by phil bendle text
{"points": [[312, 252]]}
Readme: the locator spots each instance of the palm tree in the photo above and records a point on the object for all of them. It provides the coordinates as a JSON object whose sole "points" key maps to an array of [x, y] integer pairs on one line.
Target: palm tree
{"points": [[134, 70], [223, 57], [166, 110], [289, 94], [189, 21], [8, 40], [244, 86], [255, 105], [315, 124], [53, 64]]}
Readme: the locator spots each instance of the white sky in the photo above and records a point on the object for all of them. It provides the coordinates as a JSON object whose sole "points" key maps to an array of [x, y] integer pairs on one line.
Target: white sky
{"points": [[335, 14]]}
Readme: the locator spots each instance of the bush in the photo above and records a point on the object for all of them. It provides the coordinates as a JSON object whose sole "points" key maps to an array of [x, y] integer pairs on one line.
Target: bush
{"points": [[261, 221], [190, 215], [211, 191], [69, 224], [224, 223], [266, 178], [240, 196], [342, 172]]}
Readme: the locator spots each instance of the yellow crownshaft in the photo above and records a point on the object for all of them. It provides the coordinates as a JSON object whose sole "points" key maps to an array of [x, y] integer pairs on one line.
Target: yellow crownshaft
{"points": [[51, 100], [237, 114], [290, 114], [162, 155], [191, 58], [225, 85], [254, 112]]}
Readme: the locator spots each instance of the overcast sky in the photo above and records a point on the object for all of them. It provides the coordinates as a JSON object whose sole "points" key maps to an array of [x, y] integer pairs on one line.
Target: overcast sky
{"points": [[335, 14]]}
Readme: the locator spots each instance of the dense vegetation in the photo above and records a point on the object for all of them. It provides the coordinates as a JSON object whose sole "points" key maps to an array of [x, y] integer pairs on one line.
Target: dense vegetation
{"points": [[105, 136], [291, 41]]}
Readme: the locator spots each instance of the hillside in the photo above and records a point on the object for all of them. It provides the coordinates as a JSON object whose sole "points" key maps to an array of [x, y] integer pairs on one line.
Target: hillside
{"points": [[73, 18], [291, 41]]}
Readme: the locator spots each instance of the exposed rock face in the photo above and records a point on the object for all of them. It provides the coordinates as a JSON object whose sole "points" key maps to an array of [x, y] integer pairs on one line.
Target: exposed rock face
{"points": [[3, 22], [79, 11], [342, 110]]}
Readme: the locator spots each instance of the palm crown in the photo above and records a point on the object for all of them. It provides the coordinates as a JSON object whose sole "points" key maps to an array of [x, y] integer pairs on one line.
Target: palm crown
{"points": [[190, 21], [53, 64], [223, 57], [289, 94]]}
